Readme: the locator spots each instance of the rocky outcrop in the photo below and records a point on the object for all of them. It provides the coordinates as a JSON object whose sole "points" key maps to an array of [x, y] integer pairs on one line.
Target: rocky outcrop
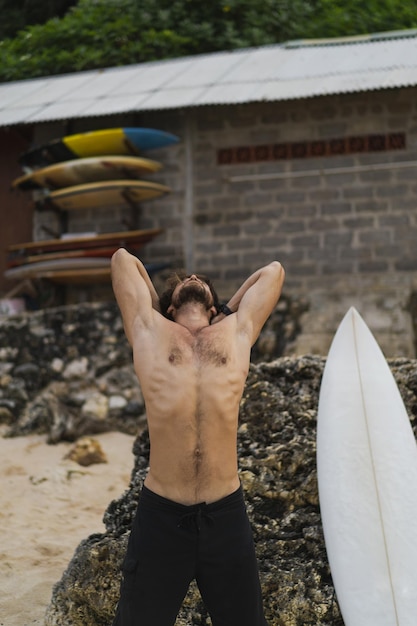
{"points": [[277, 466], [67, 373]]}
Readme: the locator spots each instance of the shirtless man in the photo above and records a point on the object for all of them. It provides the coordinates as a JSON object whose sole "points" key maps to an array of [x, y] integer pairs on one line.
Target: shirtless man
{"points": [[192, 362]]}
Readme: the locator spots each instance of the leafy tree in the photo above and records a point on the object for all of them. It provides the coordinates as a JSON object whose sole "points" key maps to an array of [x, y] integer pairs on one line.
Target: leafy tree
{"points": [[104, 33], [17, 14], [337, 18]]}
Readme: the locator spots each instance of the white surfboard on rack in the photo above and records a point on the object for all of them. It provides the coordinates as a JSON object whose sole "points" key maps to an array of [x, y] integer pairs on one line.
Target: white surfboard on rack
{"points": [[367, 474]]}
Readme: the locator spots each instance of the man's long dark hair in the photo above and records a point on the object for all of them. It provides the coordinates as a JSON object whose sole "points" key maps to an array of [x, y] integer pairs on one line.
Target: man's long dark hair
{"points": [[175, 279]]}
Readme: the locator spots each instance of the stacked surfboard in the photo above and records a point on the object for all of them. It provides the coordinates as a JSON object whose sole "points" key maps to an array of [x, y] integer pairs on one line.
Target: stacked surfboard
{"points": [[73, 259], [94, 170]]}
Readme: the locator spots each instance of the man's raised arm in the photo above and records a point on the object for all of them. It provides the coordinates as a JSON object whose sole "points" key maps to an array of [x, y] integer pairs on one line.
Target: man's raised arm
{"points": [[256, 298], [134, 290]]}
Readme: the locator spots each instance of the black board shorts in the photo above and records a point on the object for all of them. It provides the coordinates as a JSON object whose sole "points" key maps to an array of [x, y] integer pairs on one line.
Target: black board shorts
{"points": [[172, 544]]}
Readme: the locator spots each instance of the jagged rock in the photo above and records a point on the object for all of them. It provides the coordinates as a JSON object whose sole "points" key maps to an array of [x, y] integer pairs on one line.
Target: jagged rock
{"points": [[277, 447], [78, 368], [67, 372], [96, 406], [6, 416], [116, 403], [51, 359], [87, 451], [57, 365], [98, 558], [276, 442]]}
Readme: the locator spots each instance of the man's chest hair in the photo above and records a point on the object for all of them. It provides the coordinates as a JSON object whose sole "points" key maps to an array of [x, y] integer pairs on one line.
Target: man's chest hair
{"points": [[200, 350]]}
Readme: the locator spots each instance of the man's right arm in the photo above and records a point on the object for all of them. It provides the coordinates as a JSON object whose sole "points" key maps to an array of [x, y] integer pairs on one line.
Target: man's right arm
{"points": [[134, 291]]}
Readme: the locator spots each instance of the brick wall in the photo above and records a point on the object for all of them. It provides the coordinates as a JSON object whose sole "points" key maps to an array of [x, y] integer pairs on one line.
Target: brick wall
{"points": [[251, 183]]}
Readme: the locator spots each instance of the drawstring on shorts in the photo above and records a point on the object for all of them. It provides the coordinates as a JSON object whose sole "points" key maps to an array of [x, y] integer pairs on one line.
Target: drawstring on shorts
{"points": [[192, 520]]}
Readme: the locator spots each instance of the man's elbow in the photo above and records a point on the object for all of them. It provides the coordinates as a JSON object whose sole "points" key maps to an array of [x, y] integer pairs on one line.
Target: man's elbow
{"points": [[118, 256], [118, 259], [278, 270], [117, 263]]}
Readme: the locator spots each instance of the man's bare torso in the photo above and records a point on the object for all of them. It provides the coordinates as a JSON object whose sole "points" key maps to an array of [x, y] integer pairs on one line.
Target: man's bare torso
{"points": [[192, 385]]}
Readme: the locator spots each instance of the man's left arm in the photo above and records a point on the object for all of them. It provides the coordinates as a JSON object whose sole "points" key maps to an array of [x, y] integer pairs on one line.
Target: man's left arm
{"points": [[256, 298]]}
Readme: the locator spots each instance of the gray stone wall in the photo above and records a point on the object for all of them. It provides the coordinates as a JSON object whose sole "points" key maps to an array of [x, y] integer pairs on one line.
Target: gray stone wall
{"points": [[354, 222], [350, 237], [344, 239]]}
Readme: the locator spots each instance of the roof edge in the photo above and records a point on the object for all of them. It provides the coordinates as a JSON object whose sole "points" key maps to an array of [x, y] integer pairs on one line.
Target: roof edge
{"points": [[338, 41]]}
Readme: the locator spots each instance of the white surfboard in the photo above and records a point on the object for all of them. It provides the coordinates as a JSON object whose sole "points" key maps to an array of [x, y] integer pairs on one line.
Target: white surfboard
{"points": [[367, 474]]}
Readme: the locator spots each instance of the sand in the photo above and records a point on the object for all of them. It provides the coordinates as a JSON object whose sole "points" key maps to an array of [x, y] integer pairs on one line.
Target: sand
{"points": [[48, 505]]}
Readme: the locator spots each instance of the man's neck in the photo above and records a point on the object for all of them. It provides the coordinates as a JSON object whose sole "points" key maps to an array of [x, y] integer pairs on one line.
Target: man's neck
{"points": [[193, 317]]}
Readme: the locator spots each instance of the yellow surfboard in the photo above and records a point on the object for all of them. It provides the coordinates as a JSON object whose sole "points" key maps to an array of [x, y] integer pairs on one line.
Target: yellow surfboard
{"points": [[106, 194], [88, 170], [128, 141], [108, 141]]}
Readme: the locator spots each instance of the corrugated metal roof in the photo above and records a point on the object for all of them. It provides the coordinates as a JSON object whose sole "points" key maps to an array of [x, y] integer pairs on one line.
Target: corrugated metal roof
{"points": [[280, 72]]}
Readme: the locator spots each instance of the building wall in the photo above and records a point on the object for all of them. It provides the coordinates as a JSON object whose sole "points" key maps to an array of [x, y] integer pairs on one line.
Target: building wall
{"points": [[15, 208], [247, 187]]}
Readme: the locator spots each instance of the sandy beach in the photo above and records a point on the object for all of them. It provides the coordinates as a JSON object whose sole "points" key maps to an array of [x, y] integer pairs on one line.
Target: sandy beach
{"points": [[48, 505]]}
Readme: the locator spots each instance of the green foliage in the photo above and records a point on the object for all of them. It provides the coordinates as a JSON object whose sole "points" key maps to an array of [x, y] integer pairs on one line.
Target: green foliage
{"points": [[337, 18], [94, 34], [105, 33], [17, 14]]}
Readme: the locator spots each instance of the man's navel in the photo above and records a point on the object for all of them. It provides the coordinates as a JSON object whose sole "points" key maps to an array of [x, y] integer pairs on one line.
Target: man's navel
{"points": [[198, 460]]}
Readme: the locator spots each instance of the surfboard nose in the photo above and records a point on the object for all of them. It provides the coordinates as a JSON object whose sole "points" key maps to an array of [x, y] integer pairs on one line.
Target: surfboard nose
{"points": [[366, 462]]}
